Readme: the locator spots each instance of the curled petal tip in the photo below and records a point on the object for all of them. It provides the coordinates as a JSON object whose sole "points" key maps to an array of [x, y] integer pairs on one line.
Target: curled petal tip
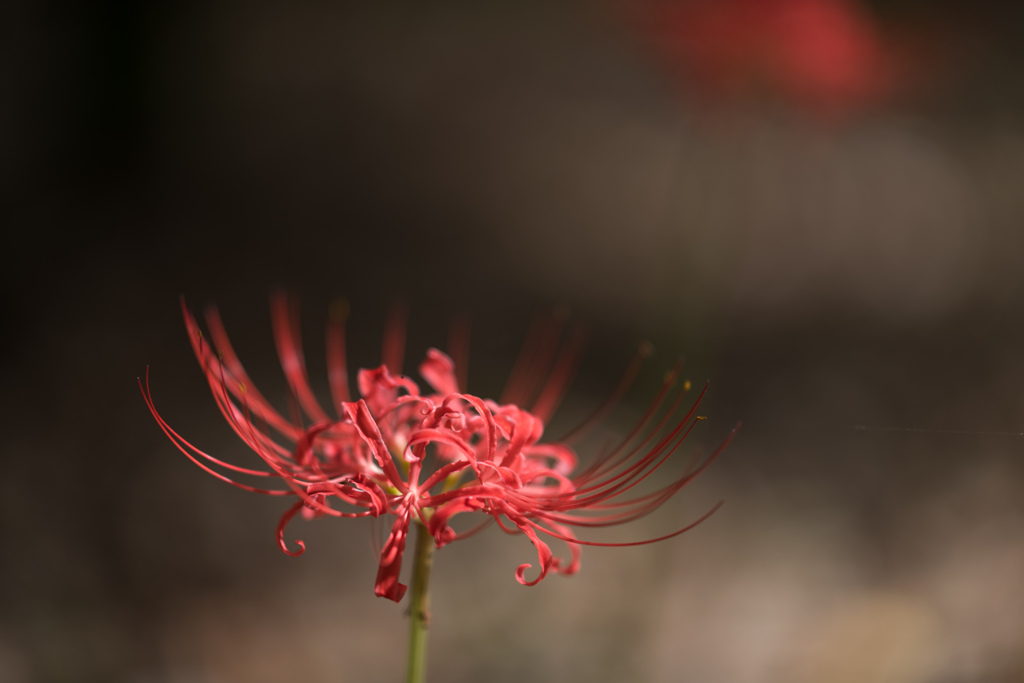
{"points": [[285, 518], [521, 575], [374, 455], [292, 553]]}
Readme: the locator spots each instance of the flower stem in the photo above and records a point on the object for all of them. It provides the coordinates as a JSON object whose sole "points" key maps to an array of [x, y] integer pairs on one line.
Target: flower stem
{"points": [[419, 607]]}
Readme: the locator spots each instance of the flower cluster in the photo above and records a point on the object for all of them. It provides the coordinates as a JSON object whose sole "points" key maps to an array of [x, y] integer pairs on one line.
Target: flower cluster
{"points": [[826, 57], [430, 456]]}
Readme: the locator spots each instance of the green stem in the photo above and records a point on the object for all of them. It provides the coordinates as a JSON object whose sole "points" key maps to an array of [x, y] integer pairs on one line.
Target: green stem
{"points": [[419, 606]]}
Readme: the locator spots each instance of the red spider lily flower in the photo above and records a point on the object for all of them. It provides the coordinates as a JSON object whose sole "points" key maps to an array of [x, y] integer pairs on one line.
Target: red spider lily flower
{"points": [[435, 455], [827, 57]]}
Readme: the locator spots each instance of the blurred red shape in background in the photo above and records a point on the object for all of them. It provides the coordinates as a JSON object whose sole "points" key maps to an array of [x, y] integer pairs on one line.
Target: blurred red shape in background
{"points": [[829, 58]]}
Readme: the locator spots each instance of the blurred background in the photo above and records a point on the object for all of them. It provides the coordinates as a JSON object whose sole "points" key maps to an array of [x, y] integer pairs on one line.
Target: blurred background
{"points": [[818, 202]]}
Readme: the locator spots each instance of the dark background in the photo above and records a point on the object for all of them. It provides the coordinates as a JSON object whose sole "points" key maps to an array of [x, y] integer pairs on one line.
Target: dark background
{"points": [[852, 287]]}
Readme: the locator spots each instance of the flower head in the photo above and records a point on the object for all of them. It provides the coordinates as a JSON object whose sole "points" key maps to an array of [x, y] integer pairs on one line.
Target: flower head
{"points": [[432, 455], [826, 57]]}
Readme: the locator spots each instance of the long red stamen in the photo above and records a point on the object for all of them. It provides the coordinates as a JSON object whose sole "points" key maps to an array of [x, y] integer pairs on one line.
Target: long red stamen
{"points": [[348, 467], [648, 541], [337, 368], [285, 316], [632, 370], [393, 352], [185, 446], [234, 366], [601, 465], [561, 374], [533, 362], [458, 349]]}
